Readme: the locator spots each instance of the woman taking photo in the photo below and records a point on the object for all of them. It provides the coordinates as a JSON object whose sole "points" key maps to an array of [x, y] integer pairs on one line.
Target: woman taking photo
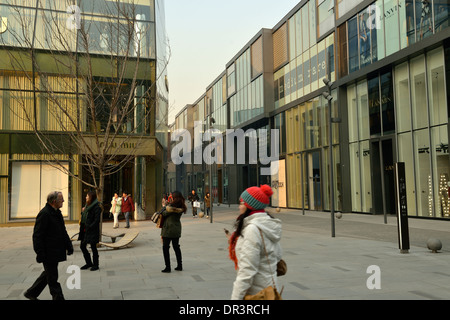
{"points": [[90, 230], [171, 230], [255, 269]]}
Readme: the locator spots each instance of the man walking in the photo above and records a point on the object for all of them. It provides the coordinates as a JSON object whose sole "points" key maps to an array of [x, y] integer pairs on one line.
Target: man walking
{"points": [[50, 242], [127, 207]]}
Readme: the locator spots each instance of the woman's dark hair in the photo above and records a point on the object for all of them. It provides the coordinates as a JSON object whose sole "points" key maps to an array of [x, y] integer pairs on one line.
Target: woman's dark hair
{"points": [[240, 222], [92, 196], [178, 201]]}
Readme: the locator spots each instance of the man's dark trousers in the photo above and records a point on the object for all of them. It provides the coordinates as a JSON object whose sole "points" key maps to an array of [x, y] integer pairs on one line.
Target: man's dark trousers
{"points": [[48, 277]]}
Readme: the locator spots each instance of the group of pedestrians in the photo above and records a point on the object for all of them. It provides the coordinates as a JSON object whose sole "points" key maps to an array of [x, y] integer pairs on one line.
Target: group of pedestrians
{"points": [[194, 199], [123, 205], [254, 246]]}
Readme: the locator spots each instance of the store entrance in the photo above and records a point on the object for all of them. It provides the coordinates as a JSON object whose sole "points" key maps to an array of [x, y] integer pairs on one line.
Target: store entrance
{"points": [[383, 186]]}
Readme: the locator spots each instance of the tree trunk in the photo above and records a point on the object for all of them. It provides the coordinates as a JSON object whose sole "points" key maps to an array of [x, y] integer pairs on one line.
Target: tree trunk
{"points": [[100, 188]]}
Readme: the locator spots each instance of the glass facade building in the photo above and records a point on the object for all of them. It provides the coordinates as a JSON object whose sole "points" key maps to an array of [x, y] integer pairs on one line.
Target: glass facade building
{"points": [[389, 64], [46, 48]]}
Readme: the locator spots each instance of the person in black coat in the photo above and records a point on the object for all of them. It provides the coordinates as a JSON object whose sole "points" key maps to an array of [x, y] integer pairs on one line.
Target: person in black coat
{"points": [[51, 243], [193, 197], [90, 230]]}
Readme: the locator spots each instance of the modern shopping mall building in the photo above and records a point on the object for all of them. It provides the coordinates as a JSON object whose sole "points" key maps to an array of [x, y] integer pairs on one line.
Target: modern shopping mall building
{"points": [[389, 64]]}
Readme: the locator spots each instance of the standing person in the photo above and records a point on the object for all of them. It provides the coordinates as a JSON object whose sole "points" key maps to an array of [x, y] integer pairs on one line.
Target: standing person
{"points": [[208, 203], [50, 242], [127, 207], [116, 209], [90, 230], [255, 271], [171, 230], [193, 197]]}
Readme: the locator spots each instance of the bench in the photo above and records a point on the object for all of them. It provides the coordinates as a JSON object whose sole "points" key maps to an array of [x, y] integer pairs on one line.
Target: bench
{"points": [[112, 236], [123, 242]]}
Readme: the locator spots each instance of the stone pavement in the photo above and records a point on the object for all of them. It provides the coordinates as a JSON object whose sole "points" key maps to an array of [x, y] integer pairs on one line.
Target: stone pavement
{"points": [[319, 267]]}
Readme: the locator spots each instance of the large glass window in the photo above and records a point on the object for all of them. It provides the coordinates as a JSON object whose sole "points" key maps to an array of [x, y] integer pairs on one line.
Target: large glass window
{"points": [[28, 199], [387, 103], [363, 110], [424, 182], [405, 155], [325, 17], [436, 87], [353, 52], [403, 106], [355, 178], [441, 14], [418, 93], [424, 23], [441, 170], [374, 106], [352, 114]]}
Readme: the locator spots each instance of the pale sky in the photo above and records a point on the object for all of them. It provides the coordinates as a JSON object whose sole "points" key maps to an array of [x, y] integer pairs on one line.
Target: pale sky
{"points": [[204, 35]]}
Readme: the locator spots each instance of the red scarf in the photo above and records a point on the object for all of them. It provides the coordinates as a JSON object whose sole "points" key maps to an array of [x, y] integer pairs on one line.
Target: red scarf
{"points": [[233, 240]]}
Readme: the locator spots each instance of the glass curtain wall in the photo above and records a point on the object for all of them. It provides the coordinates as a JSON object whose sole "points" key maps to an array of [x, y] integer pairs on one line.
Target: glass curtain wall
{"points": [[387, 26], [421, 115]]}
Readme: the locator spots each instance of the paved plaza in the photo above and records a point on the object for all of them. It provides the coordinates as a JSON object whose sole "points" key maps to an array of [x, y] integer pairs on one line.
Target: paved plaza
{"points": [[320, 267]]}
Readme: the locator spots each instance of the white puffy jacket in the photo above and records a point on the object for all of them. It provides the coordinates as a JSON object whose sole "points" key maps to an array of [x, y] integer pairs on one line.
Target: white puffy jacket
{"points": [[255, 273]]}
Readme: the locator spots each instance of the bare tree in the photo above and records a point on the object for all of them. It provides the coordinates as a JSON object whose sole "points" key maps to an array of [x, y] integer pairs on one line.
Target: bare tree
{"points": [[97, 83]]}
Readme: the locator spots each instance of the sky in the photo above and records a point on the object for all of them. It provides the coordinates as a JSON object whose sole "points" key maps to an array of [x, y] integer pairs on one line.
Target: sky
{"points": [[204, 35]]}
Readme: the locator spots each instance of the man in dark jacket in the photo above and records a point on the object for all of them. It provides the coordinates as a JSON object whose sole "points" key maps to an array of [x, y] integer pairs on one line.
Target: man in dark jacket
{"points": [[193, 197], [50, 242], [127, 207]]}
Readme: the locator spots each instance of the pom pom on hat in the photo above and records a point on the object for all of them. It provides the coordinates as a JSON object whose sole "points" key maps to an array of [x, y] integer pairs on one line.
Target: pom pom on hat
{"points": [[257, 198]]}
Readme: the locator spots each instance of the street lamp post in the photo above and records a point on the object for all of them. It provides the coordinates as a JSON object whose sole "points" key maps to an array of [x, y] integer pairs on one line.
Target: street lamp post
{"points": [[212, 121], [329, 98]]}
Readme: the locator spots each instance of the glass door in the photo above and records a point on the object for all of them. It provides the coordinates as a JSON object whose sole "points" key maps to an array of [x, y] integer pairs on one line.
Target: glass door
{"points": [[383, 184]]}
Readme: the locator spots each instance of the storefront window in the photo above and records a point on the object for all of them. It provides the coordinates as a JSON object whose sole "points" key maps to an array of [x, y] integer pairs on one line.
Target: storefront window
{"points": [[441, 170], [436, 87], [363, 110], [424, 183], [419, 93], [374, 106], [403, 106], [352, 114], [366, 182], [387, 103], [355, 178], [405, 155]]}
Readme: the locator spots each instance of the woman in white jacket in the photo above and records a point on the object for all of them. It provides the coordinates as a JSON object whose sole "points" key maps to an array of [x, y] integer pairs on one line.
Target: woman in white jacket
{"points": [[255, 270], [116, 209]]}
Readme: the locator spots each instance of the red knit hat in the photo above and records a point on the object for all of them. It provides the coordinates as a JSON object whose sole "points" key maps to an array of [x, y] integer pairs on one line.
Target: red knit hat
{"points": [[257, 198]]}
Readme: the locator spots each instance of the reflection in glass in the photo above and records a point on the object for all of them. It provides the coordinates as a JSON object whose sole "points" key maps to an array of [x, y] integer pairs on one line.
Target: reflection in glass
{"points": [[353, 52]]}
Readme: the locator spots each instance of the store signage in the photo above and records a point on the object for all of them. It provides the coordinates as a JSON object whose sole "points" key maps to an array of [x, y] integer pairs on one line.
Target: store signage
{"points": [[122, 146]]}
